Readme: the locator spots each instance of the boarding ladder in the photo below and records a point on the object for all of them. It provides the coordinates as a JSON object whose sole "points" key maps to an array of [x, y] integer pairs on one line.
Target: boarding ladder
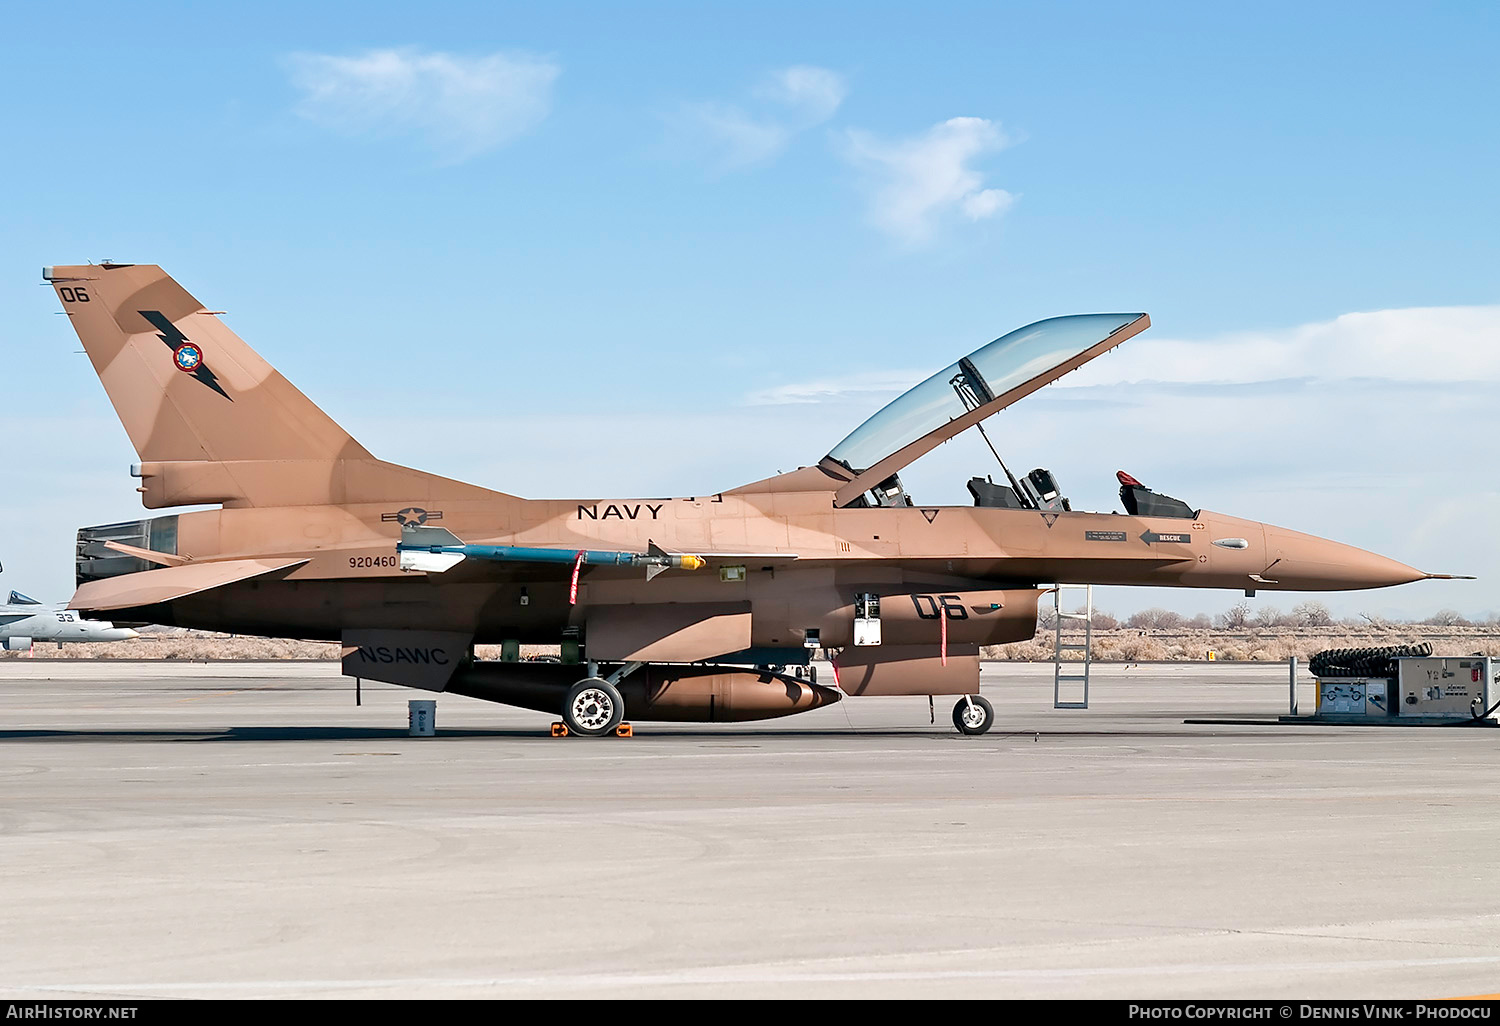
{"points": [[1066, 623]]}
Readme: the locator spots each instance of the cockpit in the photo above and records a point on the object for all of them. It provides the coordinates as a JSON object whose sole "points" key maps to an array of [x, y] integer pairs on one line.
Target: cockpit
{"points": [[968, 392]]}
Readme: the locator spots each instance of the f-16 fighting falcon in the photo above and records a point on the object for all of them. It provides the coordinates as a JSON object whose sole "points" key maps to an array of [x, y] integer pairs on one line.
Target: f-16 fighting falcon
{"points": [[690, 608]]}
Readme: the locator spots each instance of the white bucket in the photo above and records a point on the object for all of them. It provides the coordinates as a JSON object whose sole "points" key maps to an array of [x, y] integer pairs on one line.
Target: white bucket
{"points": [[421, 718]]}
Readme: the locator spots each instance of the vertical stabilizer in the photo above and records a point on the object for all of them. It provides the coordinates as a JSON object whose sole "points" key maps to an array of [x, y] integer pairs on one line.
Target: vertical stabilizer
{"points": [[187, 388]]}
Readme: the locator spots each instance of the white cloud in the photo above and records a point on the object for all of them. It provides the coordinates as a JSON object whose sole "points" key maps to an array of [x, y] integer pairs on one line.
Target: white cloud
{"points": [[1445, 345], [733, 136], [916, 182], [853, 387], [461, 106], [812, 93], [980, 205], [1430, 344]]}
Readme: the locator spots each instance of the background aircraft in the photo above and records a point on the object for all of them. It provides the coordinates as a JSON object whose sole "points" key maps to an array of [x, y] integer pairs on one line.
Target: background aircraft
{"points": [[682, 608], [24, 620]]}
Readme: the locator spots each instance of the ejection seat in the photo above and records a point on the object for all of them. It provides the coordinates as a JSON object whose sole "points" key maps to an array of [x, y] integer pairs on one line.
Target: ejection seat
{"points": [[987, 493], [1039, 488], [1140, 501]]}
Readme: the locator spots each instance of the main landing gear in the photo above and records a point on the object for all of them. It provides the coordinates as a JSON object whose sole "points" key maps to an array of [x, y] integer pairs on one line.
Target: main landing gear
{"points": [[594, 706], [973, 715]]}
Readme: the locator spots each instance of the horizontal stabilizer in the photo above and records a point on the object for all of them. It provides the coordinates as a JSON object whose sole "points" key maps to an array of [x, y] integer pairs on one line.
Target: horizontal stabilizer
{"points": [[150, 587], [149, 555]]}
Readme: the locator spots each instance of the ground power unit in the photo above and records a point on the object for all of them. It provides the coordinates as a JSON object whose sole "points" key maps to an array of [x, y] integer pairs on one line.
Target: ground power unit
{"points": [[1423, 690]]}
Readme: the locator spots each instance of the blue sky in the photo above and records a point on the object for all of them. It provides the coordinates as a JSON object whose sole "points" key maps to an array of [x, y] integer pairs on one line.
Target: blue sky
{"points": [[574, 249]]}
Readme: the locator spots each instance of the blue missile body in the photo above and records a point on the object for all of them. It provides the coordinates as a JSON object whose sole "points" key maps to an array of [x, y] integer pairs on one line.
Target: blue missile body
{"points": [[418, 543], [524, 554]]}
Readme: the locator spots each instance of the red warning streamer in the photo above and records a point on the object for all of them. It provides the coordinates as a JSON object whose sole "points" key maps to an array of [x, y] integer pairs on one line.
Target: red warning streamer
{"points": [[573, 588], [944, 646]]}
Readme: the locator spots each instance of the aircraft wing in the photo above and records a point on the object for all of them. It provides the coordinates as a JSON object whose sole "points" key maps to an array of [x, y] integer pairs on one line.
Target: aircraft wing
{"points": [[174, 582]]}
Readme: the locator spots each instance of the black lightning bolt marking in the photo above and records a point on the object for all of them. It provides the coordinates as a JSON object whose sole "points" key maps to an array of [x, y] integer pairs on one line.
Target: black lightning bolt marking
{"points": [[174, 338]]}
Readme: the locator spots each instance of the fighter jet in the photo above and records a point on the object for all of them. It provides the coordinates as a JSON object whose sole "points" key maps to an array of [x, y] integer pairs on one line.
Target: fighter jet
{"points": [[24, 620], [691, 608]]}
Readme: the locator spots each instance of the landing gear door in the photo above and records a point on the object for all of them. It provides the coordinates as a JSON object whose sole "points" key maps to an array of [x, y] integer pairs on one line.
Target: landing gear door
{"points": [[866, 619]]}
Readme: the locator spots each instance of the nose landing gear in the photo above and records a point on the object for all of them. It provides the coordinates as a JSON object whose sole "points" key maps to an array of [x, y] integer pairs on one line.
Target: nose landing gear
{"points": [[973, 715]]}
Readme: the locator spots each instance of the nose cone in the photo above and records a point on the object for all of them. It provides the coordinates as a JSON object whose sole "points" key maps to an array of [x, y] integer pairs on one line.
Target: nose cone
{"points": [[1306, 563], [113, 633]]}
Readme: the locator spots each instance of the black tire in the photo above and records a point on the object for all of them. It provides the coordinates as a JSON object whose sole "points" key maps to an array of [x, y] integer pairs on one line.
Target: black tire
{"points": [[975, 719], [593, 708]]}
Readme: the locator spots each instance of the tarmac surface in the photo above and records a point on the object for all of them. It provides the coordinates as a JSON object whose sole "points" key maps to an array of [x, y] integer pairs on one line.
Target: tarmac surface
{"points": [[243, 830]]}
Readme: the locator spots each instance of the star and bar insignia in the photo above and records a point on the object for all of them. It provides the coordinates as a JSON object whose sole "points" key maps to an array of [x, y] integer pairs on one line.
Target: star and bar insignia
{"points": [[411, 516]]}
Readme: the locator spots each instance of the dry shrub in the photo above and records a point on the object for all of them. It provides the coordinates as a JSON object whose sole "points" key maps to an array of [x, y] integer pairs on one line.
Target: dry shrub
{"points": [[1038, 649], [1260, 644], [1139, 649], [188, 646]]}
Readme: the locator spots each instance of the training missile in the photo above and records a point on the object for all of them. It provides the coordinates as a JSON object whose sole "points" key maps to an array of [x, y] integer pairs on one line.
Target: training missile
{"points": [[435, 550]]}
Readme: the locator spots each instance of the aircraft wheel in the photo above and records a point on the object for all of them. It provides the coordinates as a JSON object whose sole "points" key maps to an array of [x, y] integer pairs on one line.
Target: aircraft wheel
{"points": [[975, 718], [593, 708]]}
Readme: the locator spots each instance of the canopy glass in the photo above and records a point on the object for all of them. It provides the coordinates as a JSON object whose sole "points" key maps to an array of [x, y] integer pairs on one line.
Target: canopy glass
{"points": [[1037, 351]]}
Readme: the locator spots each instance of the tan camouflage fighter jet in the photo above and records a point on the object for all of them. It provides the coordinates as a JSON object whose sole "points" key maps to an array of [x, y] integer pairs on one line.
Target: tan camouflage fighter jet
{"points": [[702, 608]]}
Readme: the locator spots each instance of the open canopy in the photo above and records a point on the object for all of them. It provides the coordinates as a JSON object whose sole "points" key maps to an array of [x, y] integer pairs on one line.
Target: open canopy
{"points": [[965, 393]]}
